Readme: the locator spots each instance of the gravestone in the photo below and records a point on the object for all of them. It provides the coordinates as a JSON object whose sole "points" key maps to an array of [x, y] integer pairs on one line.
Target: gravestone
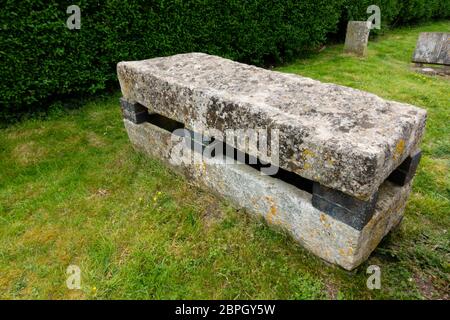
{"points": [[344, 158], [357, 37], [433, 48]]}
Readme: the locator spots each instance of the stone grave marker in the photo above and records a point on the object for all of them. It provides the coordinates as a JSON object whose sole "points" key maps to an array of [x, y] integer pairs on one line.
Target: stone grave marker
{"points": [[433, 48], [357, 38]]}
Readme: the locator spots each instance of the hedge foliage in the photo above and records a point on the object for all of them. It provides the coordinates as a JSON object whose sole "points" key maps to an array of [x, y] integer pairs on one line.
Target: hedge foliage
{"points": [[40, 58], [395, 12]]}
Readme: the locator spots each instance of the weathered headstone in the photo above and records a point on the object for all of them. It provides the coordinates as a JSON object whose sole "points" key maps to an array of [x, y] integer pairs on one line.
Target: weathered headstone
{"points": [[345, 157], [433, 48], [357, 37]]}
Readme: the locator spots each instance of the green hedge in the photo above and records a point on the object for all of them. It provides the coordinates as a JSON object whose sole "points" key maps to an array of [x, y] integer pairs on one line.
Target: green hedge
{"points": [[40, 58], [390, 9], [419, 10], [394, 12]]}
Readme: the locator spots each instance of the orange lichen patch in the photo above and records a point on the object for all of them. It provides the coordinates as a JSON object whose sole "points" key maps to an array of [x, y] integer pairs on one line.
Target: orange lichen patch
{"points": [[308, 153], [399, 148], [29, 153], [324, 220], [346, 252], [307, 166], [271, 215], [200, 168]]}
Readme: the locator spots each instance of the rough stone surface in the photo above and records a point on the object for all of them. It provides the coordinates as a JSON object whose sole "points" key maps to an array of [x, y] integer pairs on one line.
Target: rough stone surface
{"points": [[281, 204], [340, 137], [357, 37], [433, 48]]}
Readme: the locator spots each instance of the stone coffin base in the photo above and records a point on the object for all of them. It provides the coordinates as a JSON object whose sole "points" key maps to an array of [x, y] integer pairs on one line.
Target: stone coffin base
{"points": [[281, 204], [432, 70]]}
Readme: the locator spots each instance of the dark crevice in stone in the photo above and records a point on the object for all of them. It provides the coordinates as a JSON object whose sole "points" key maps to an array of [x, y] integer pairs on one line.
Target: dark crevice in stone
{"points": [[229, 151], [406, 170], [254, 162], [134, 112], [352, 211], [164, 122]]}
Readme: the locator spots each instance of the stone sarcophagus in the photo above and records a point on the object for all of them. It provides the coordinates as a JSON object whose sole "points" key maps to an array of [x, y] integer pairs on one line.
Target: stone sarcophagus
{"points": [[329, 164]]}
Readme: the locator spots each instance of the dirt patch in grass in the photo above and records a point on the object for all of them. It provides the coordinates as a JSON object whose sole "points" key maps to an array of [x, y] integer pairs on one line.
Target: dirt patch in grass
{"points": [[332, 291], [24, 134], [213, 213], [29, 153], [95, 140], [99, 193], [427, 289]]}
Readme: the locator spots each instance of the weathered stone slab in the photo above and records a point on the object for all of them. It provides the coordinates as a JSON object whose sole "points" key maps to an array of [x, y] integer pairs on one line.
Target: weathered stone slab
{"points": [[433, 48], [342, 138], [357, 37], [281, 204]]}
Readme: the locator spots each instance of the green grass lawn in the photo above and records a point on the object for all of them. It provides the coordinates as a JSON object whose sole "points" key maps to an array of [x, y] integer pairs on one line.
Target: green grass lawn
{"points": [[73, 191]]}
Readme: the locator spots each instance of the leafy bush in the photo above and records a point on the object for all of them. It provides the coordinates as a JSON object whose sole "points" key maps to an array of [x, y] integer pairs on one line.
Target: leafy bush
{"points": [[40, 58], [356, 10], [420, 10]]}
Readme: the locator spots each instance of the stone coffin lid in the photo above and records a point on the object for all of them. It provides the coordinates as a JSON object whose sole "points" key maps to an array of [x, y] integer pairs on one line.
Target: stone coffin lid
{"points": [[433, 48], [343, 138]]}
